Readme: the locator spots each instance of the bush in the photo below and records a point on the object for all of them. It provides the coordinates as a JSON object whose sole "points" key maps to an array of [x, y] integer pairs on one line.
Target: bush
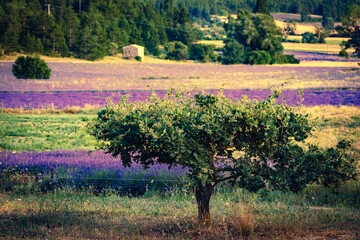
{"points": [[176, 51], [343, 53], [308, 37], [202, 52], [138, 58], [233, 53], [30, 68], [283, 59], [259, 57]]}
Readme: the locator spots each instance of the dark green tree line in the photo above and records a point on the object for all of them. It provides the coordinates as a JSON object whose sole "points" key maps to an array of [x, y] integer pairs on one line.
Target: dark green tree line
{"points": [[102, 27]]}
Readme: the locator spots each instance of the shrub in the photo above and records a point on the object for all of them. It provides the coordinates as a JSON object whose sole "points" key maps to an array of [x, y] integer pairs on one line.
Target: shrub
{"points": [[343, 53], [30, 68], [259, 57], [202, 52], [283, 59], [233, 53], [308, 37], [138, 58], [176, 51]]}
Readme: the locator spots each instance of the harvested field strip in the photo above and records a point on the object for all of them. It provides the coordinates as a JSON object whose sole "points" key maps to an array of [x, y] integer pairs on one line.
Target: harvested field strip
{"points": [[146, 76]]}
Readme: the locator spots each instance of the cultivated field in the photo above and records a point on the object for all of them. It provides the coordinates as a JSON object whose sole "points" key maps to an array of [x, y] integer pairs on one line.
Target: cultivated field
{"points": [[55, 184]]}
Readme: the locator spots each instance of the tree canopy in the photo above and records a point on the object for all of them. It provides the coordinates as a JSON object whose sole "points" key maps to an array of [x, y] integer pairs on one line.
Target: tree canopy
{"points": [[254, 144], [351, 29], [262, 7], [259, 36]]}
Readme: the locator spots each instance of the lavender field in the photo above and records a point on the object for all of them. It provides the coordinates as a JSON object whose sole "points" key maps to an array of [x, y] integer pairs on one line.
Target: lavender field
{"points": [[84, 84], [81, 168], [62, 100]]}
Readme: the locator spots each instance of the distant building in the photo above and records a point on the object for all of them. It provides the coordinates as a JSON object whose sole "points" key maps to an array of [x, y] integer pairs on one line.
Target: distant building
{"points": [[133, 50]]}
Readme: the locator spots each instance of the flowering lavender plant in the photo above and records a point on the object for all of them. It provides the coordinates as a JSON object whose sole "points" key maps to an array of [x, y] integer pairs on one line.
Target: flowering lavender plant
{"points": [[61, 100], [95, 170]]}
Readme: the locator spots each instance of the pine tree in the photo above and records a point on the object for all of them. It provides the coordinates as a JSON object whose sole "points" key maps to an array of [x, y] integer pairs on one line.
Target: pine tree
{"points": [[72, 26], [262, 7], [30, 43]]}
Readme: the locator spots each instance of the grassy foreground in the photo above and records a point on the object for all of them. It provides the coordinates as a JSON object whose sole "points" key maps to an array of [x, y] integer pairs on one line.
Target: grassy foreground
{"points": [[69, 215]]}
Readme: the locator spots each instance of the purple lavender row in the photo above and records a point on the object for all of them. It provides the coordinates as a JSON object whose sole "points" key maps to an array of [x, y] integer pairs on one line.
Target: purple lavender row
{"points": [[83, 164], [61, 100], [315, 56]]}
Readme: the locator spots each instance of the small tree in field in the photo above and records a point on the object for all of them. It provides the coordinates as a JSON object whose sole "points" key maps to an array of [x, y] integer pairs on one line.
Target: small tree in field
{"points": [[249, 143], [31, 68]]}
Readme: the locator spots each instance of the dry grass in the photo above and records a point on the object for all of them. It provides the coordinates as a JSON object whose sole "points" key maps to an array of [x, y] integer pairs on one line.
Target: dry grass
{"points": [[130, 76], [63, 216], [335, 123], [68, 110], [306, 47]]}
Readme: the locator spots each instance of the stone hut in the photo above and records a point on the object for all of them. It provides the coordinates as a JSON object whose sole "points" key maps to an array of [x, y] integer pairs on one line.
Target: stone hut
{"points": [[133, 50]]}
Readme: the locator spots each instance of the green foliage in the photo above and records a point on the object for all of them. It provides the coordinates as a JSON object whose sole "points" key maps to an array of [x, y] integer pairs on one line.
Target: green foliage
{"points": [[290, 28], [30, 68], [258, 40], [233, 53], [328, 23], [256, 32], [176, 51], [202, 52], [308, 37], [250, 143], [259, 57], [351, 28], [288, 59], [138, 58], [262, 7], [343, 53], [102, 28], [321, 34]]}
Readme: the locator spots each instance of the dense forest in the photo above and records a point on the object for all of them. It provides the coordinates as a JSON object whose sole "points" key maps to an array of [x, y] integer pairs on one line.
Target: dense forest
{"points": [[91, 29], [95, 28]]}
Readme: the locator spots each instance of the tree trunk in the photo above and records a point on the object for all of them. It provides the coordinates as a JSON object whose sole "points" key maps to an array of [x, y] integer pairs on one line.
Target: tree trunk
{"points": [[203, 195]]}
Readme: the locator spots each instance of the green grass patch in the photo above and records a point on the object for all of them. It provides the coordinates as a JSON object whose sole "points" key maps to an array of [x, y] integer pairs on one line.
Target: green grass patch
{"points": [[40, 132]]}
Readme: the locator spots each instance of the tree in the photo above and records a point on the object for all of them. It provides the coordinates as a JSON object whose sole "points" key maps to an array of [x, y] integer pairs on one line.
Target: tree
{"points": [[290, 28], [328, 23], [31, 68], [58, 42], [321, 34], [72, 24], [262, 7], [10, 39], [250, 143], [30, 43], [308, 37], [176, 51], [255, 32], [233, 53], [202, 52], [351, 29]]}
